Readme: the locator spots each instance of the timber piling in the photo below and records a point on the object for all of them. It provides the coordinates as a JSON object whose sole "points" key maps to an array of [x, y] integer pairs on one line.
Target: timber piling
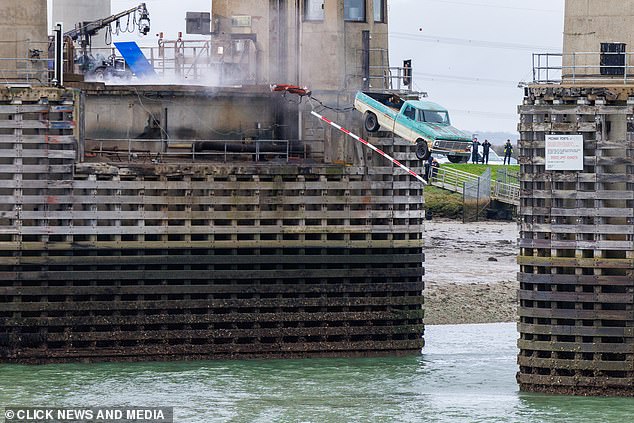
{"points": [[108, 260], [577, 244]]}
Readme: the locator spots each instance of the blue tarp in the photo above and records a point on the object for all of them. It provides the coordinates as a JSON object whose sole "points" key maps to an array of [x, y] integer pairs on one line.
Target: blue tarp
{"points": [[135, 59]]}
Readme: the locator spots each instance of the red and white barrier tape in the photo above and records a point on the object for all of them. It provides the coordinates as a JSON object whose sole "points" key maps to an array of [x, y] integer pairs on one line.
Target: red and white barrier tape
{"points": [[364, 142]]}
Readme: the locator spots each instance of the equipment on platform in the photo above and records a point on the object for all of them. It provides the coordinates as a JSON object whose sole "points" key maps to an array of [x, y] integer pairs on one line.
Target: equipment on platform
{"points": [[293, 89], [98, 65], [135, 59]]}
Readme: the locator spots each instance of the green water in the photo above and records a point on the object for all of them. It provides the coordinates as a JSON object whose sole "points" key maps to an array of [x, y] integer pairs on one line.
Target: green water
{"points": [[466, 374]]}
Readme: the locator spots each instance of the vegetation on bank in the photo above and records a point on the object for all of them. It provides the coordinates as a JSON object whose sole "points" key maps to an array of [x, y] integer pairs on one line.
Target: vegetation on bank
{"points": [[479, 169], [447, 204], [443, 203]]}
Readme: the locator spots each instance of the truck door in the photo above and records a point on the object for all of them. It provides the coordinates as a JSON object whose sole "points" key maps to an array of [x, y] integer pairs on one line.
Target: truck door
{"points": [[405, 121]]}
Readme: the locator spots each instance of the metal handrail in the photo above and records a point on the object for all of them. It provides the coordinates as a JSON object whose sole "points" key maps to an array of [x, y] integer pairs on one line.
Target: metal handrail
{"points": [[192, 60], [164, 148], [580, 67], [25, 70], [505, 192], [453, 179]]}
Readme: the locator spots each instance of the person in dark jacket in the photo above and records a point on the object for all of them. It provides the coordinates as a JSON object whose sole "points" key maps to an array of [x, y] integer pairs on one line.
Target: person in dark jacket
{"points": [[434, 168], [474, 150], [508, 151], [486, 145], [428, 163]]}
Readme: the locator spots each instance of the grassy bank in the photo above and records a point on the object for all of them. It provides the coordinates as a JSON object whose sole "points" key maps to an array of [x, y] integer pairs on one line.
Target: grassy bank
{"points": [[479, 169], [443, 203], [447, 204]]}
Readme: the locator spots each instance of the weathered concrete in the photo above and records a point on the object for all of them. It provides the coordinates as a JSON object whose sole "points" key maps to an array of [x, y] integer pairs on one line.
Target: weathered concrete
{"points": [[181, 112], [588, 23], [72, 12], [22, 28], [321, 54]]}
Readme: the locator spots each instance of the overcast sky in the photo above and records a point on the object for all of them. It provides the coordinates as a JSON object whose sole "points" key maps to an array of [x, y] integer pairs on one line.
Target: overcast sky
{"points": [[468, 55]]}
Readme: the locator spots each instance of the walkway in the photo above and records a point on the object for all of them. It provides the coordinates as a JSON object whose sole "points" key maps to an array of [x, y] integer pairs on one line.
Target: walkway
{"points": [[453, 179]]}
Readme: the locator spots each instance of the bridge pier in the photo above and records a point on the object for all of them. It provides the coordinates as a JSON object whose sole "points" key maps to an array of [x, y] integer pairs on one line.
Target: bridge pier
{"points": [[577, 245]]}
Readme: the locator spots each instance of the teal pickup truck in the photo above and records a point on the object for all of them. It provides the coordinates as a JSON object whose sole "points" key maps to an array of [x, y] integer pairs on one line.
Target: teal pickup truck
{"points": [[423, 123]]}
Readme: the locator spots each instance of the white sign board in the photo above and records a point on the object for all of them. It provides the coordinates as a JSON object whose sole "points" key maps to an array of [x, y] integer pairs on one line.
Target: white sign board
{"points": [[564, 152]]}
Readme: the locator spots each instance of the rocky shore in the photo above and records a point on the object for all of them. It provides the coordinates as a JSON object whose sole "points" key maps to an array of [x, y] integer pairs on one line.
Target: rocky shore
{"points": [[470, 272]]}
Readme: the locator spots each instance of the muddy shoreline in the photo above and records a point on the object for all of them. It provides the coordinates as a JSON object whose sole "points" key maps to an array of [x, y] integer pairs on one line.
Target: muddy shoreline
{"points": [[470, 272]]}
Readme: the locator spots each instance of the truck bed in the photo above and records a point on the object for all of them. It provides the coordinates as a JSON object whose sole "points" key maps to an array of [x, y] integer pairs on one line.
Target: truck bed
{"points": [[385, 106], [384, 99]]}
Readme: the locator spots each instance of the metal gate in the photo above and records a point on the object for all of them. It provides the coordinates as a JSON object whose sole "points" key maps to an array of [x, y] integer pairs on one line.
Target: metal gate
{"points": [[476, 196]]}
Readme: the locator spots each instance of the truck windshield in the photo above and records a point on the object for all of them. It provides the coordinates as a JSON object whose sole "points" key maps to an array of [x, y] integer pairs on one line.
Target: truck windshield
{"points": [[432, 116]]}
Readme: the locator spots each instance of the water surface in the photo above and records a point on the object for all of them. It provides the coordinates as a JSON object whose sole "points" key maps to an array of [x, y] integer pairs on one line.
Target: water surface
{"points": [[466, 374]]}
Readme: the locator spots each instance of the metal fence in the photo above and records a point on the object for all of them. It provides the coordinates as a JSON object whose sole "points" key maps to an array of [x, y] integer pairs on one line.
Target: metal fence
{"points": [[179, 61], [25, 71], [507, 176], [157, 150], [476, 195], [29, 63], [505, 188], [451, 179], [583, 67]]}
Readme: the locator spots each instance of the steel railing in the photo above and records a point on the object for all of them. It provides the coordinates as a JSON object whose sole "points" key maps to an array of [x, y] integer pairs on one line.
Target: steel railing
{"points": [[193, 60], [453, 179], [133, 149], [30, 65], [25, 71], [583, 67], [505, 192]]}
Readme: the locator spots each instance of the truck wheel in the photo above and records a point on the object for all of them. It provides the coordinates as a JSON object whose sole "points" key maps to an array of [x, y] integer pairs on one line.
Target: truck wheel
{"points": [[422, 150], [99, 74], [455, 159], [371, 122]]}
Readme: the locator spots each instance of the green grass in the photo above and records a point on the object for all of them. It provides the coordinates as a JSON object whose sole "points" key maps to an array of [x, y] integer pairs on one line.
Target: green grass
{"points": [[447, 204], [443, 203], [479, 169]]}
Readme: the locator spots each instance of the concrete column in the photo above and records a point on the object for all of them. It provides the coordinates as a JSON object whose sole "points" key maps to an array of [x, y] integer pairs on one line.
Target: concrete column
{"points": [[22, 28]]}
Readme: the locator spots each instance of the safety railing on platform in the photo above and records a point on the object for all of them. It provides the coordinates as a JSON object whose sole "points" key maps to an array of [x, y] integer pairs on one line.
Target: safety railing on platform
{"points": [[25, 71], [157, 150], [29, 65], [454, 180], [181, 61], [390, 78], [451, 179], [507, 176], [505, 192], [617, 67]]}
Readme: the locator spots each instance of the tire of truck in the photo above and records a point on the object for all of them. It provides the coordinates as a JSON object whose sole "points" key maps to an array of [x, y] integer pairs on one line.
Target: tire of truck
{"points": [[455, 159], [99, 74], [371, 122], [422, 150]]}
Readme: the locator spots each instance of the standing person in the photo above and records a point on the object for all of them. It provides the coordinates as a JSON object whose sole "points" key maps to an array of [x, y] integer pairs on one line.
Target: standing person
{"points": [[486, 145], [434, 168], [428, 164], [508, 151], [474, 150]]}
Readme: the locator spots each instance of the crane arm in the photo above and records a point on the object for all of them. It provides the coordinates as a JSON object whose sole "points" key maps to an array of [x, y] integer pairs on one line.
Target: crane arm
{"points": [[88, 29]]}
